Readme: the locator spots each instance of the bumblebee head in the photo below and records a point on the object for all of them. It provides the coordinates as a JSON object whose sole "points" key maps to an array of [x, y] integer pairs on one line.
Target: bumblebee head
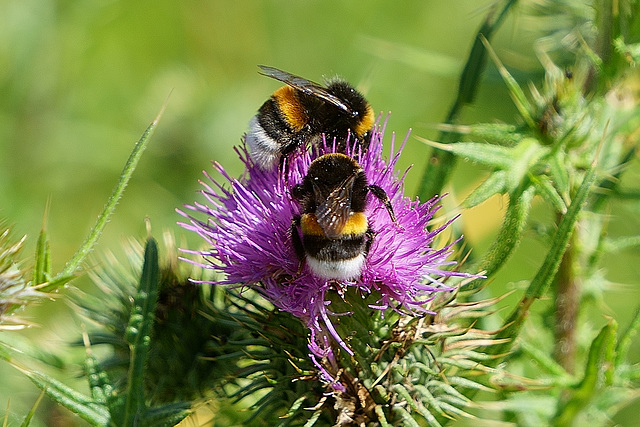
{"points": [[362, 117]]}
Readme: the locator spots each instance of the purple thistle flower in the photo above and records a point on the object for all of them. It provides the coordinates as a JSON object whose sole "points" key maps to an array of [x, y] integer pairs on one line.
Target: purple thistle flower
{"points": [[248, 227]]}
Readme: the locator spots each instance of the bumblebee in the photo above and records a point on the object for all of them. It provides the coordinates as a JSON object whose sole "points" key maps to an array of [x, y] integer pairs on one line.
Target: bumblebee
{"points": [[301, 112], [336, 234]]}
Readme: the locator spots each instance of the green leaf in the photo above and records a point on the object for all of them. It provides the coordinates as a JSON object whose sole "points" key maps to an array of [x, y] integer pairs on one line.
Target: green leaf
{"points": [[430, 399], [74, 401], [502, 134], [42, 267], [508, 238], [545, 188], [547, 272], [476, 63], [545, 275], [622, 243], [622, 350], [559, 173], [441, 164], [600, 361], [524, 158], [32, 411], [167, 415], [559, 374], [408, 419], [91, 240], [58, 281], [493, 156], [519, 98], [138, 334], [99, 384], [494, 184], [381, 416], [610, 183]]}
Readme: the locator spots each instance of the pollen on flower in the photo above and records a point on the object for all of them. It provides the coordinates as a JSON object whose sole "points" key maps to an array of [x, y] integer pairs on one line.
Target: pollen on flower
{"points": [[247, 223]]}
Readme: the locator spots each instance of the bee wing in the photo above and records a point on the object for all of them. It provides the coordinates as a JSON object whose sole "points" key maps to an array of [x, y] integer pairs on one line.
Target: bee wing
{"points": [[306, 86], [333, 213]]}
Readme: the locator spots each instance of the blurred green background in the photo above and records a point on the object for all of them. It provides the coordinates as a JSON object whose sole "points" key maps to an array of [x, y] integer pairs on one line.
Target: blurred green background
{"points": [[81, 80]]}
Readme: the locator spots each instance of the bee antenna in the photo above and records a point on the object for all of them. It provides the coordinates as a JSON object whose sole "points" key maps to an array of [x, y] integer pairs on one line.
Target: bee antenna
{"points": [[381, 195]]}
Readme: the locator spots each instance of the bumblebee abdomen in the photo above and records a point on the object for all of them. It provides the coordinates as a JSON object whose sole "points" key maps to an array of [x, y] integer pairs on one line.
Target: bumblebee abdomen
{"points": [[291, 109], [345, 269], [356, 225], [340, 258], [331, 250], [276, 129]]}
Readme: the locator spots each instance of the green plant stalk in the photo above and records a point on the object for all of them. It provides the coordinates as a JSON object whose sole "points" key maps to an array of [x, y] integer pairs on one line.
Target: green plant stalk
{"points": [[567, 303], [441, 163], [138, 334], [93, 236]]}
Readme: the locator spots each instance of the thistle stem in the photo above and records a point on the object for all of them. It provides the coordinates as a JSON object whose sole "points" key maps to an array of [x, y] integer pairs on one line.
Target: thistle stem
{"points": [[567, 307]]}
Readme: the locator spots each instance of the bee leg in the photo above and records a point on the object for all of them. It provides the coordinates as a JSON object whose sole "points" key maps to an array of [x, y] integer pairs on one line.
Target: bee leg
{"points": [[298, 247], [382, 196], [289, 145], [283, 167], [370, 234], [298, 193]]}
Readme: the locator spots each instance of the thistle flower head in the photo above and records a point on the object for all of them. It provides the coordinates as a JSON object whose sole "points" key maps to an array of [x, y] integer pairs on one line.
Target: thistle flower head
{"points": [[248, 227]]}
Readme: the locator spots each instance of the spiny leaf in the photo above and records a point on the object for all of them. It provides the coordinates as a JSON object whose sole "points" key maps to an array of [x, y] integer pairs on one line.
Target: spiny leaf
{"points": [[559, 374], [381, 416], [545, 188], [76, 402], [167, 415], [494, 184], [559, 173], [524, 157], [502, 134], [408, 419], [509, 236], [547, 272], [99, 384], [491, 155], [518, 96], [441, 164], [543, 278], [32, 411], [42, 267], [93, 236], [625, 341], [600, 358], [138, 333]]}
